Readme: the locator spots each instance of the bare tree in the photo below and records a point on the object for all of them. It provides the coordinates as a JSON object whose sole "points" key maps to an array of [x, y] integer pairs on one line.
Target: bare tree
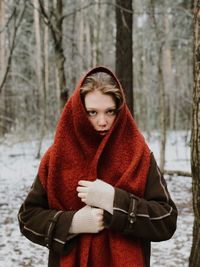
{"points": [[54, 18], [124, 50], [161, 84], [167, 68], [17, 21], [6, 55], [39, 76], [2, 65], [46, 58], [195, 149]]}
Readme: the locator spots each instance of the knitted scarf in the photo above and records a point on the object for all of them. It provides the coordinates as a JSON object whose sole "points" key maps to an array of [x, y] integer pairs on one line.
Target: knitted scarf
{"points": [[120, 158]]}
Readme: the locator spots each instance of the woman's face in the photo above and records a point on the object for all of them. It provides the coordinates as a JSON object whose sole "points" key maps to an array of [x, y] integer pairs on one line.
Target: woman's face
{"points": [[101, 109]]}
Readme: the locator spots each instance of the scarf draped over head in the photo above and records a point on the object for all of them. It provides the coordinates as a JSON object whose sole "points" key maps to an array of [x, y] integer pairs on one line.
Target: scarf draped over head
{"points": [[120, 158]]}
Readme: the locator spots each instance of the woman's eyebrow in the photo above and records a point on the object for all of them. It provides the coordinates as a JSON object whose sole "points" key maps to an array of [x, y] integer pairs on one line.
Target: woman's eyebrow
{"points": [[113, 107], [90, 108]]}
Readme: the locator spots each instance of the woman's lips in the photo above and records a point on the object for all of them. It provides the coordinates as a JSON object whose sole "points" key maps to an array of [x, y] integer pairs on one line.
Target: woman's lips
{"points": [[103, 132]]}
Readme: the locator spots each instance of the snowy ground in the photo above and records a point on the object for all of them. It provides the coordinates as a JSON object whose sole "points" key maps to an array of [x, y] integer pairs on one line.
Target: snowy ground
{"points": [[18, 167]]}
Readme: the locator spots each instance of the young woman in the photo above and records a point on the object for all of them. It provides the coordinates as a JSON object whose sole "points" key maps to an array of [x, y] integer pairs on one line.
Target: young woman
{"points": [[99, 198]]}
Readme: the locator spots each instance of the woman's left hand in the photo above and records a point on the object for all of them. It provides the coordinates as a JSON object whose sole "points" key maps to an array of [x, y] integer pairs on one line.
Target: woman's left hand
{"points": [[97, 193]]}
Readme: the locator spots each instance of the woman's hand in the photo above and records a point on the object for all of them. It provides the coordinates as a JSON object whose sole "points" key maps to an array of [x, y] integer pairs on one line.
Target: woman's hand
{"points": [[87, 220], [97, 193]]}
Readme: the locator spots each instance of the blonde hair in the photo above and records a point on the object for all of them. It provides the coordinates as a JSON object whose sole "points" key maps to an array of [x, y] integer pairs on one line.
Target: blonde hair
{"points": [[104, 83]]}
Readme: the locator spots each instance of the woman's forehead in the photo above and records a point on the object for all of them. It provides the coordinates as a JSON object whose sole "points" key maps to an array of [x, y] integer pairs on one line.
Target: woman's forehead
{"points": [[98, 100]]}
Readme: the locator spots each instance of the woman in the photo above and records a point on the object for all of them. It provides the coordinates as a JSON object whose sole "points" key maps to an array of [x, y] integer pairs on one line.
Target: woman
{"points": [[99, 198]]}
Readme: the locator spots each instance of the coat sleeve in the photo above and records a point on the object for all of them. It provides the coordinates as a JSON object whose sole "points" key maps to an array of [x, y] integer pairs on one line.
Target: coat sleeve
{"points": [[45, 226], [151, 218]]}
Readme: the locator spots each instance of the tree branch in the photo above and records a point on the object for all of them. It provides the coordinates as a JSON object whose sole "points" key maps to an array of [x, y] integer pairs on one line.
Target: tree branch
{"points": [[10, 18], [16, 28], [48, 21], [135, 12]]}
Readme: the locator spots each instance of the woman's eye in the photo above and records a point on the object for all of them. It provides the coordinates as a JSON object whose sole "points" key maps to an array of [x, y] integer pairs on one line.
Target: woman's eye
{"points": [[91, 113], [111, 112]]}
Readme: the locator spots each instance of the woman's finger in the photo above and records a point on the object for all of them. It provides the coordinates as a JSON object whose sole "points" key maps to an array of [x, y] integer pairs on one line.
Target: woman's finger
{"points": [[82, 189], [82, 195], [84, 183]]}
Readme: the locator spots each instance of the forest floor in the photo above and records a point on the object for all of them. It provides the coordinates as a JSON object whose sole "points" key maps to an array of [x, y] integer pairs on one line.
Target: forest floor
{"points": [[18, 168]]}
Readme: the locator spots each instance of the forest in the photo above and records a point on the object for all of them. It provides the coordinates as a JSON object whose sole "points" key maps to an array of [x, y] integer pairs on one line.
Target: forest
{"points": [[152, 46], [45, 48]]}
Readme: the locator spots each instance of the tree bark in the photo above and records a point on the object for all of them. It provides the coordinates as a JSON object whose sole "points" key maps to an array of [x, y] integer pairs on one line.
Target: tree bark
{"points": [[38, 52], [60, 58], [163, 117], [56, 27], [161, 84], [2, 66], [124, 51], [40, 83], [17, 22], [194, 260], [2, 39], [46, 60], [167, 68], [96, 35]]}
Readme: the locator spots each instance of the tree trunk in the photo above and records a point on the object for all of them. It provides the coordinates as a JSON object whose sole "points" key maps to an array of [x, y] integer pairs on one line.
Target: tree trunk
{"points": [[2, 66], [6, 59], [56, 26], [124, 52], [40, 83], [46, 61], [73, 51], [161, 84], [194, 260], [167, 68], [60, 58], [38, 46], [163, 116], [96, 40]]}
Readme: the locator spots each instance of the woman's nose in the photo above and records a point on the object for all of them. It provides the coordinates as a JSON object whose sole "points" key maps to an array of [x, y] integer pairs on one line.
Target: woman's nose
{"points": [[101, 120]]}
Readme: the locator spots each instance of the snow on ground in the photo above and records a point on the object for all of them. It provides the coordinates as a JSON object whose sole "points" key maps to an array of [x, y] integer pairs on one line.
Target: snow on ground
{"points": [[18, 168], [175, 252]]}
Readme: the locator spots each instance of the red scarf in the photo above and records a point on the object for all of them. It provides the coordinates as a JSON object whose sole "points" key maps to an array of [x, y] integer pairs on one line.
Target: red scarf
{"points": [[120, 158]]}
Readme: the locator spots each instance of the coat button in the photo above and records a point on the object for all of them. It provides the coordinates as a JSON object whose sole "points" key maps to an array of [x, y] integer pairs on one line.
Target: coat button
{"points": [[131, 217]]}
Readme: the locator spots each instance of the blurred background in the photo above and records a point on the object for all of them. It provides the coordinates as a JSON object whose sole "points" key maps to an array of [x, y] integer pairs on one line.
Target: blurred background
{"points": [[46, 45]]}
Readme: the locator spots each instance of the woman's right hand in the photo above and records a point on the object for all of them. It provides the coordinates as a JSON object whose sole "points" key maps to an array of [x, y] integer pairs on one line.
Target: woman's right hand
{"points": [[87, 220]]}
